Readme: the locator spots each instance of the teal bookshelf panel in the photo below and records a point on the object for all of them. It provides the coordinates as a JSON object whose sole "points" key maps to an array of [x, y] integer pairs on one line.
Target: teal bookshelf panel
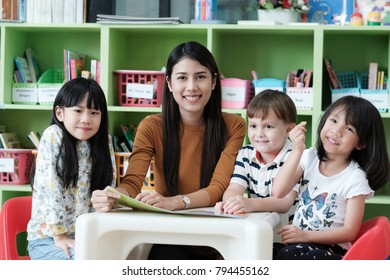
{"points": [[48, 44], [237, 53], [10, 191], [126, 53]]}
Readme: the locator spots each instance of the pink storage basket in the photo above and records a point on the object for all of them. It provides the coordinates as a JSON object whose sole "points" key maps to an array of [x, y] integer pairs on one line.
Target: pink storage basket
{"points": [[140, 88], [236, 93], [15, 165]]}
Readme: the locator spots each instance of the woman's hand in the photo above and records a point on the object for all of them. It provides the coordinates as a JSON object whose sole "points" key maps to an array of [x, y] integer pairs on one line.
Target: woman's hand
{"points": [[64, 242], [103, 200], [157, 200]]}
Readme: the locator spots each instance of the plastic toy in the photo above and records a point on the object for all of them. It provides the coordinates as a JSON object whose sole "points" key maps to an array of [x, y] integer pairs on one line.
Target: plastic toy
{"points": [[386, 19], [356, 19]]}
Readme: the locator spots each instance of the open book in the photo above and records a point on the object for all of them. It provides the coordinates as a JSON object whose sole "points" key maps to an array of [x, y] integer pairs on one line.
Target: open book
{"points": [[126, 202]]}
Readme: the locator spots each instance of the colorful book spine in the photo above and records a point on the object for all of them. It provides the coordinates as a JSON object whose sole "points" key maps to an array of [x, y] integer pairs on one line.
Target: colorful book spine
{"points": [[32, 60], [76, 66], [98, 72], [93, 69], [24, 70], [372, 75]]}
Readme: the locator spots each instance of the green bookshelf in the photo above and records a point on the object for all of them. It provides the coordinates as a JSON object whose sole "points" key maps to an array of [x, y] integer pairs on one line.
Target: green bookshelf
{"points": [[273, 51]]}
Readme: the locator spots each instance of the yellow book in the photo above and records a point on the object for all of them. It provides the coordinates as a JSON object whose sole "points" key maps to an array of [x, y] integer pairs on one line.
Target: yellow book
{"points": [[382, 79]]}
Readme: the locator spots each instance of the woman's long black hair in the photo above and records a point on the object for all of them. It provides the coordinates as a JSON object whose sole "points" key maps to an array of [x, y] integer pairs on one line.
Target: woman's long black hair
{"points": [[70, 95], [216, 131]]}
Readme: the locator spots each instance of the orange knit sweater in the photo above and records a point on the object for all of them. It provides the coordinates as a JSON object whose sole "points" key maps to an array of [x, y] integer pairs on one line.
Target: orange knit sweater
{"points": [[148, 144]]}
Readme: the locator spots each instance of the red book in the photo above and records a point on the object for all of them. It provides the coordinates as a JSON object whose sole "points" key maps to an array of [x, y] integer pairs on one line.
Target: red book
{"points": [[332, 75], [76, 66], [307, 78], [66, 78], [98, 72], [68, 56]]}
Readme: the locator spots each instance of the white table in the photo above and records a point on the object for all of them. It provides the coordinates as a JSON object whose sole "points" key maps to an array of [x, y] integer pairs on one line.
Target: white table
{"points": [[130, 234]]}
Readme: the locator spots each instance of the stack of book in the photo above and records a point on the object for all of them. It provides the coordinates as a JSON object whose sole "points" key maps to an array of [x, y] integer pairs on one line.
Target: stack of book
{"points": [[44, 11], [376, 79], [115, 19]]}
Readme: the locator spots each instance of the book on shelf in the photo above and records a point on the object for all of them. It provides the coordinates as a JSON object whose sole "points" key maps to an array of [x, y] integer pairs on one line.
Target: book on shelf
{"points": [[22, 7], [58, 12], [372, 75], [258, 22], [76, 67], [32, 60], [18, 77], [115, 144], [129, 133], [300, 78], [13, 10], [44, 11], [34, 138], [30, 12], [118, 19], [382, 82], [125, 148], [74, 11], [95, 70], [308, 78], [98, 72], [68, 56], [126, 202], [335, 82], [9, 140], [23, 68], [70, 11], [81, 11], [53, 11], [9, 10]]}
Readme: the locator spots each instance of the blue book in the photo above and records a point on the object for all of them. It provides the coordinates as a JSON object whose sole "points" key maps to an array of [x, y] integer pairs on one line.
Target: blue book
{"points": [[129, 133], [330, 11], [22, 66], [22, 10], [32, 60]]}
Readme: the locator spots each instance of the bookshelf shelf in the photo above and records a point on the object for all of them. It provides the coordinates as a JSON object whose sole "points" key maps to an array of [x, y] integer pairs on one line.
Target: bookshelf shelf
{"points": [[273, 51], [9, 191]]}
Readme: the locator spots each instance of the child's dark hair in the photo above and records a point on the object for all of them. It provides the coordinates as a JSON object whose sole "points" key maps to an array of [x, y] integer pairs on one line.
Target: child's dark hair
{"points": [[275, 100], [216, 131], [373, 157], [70, 95]]}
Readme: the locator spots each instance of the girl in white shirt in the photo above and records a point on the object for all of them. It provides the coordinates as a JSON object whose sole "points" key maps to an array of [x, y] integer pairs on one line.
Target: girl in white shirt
{"points": [[348, 165]]}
